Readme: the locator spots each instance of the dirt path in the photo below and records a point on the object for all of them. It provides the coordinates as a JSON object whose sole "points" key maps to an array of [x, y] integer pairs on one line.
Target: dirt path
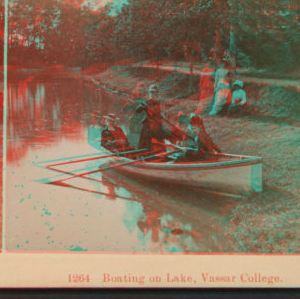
{"points": [[262, 81]]}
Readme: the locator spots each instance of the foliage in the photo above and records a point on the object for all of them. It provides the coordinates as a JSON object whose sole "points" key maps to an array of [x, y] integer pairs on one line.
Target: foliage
{"points": [[261, 34]]}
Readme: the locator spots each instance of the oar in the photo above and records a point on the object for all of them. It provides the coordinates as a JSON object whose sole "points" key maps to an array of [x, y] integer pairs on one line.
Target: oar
{"points": [[96, 158], [117, 165], [171, 145], [172, 126], [75, 157], [134, 161], [72, 174]]}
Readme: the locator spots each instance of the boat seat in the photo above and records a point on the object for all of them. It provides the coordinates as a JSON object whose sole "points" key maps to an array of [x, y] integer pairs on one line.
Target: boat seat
{"points": [[157, 160]]}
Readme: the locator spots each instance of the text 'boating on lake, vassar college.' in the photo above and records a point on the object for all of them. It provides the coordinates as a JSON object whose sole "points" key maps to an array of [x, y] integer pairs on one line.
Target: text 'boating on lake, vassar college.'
{"points": [[183, 278]]}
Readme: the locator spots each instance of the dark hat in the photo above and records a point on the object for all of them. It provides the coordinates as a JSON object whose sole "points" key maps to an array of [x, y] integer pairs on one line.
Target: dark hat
{"points": [[153, 87], [196, 120]]}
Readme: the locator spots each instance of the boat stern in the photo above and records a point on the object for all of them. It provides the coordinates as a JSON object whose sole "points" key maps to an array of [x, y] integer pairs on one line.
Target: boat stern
{"points": [[256, 175]]}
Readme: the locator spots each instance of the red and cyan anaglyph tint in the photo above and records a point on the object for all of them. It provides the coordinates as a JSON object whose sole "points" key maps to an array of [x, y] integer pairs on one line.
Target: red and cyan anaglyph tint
{"points": [[152, 126]]}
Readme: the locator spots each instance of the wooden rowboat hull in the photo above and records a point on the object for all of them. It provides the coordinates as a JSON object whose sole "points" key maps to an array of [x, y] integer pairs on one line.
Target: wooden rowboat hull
{"points": [[227, 173]]}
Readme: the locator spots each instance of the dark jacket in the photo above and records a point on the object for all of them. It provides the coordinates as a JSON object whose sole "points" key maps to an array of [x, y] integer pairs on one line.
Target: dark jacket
{"points": [[203, 145], [113, 138], [145, 141], [208, 144], [136, 115]]}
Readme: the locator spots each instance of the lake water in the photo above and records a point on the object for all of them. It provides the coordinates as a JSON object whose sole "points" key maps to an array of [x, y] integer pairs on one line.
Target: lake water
{"points": [[48, 210]]}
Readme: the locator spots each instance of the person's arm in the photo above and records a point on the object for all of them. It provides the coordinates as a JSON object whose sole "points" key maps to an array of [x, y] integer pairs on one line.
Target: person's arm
{"points": [[243, 95], [105, 140], [233, 98], [212, 145]]}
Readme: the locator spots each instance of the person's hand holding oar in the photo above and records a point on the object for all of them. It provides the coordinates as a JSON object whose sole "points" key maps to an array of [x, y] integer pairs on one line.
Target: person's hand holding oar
{"points": [[168, 144], [115, 165]]}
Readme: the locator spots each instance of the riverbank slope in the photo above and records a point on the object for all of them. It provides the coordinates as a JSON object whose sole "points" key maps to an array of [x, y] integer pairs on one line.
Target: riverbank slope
{"points": [[265, 222]]}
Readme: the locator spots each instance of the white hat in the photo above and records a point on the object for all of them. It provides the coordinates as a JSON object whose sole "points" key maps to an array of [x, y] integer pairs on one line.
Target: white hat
{"points": [[153, 87], [238, 82]]}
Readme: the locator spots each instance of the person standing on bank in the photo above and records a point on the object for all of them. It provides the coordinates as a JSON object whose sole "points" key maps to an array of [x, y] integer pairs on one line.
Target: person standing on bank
{"points": [[222, 98], [222, 73], [206, 87]]}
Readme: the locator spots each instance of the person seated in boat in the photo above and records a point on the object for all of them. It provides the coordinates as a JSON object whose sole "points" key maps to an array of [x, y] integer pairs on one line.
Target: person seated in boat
{"points": [[152, 121], [198, 143], [222, 98], [185, 133], [112, 136], [136, 118], [203, 143], [151, 135], [181, 140], [238, 103]]}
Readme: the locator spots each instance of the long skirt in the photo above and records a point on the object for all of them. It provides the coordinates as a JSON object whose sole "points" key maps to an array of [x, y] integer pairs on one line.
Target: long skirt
{"points": [[134, 133], [206, 100]]}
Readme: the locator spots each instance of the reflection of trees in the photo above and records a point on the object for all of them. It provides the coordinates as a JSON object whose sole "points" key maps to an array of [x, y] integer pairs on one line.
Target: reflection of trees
{"points": [[41, 113], [168, 234], [160, 231], [150, 223]]}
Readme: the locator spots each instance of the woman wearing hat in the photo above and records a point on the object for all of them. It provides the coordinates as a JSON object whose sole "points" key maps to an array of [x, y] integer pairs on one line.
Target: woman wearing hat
{"points": [[238, 101], [203, 142], [206, 87], [222, 98], [112, 136]]}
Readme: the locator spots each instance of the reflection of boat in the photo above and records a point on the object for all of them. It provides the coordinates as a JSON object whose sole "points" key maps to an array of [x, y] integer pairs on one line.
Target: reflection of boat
{"points": [[220, 172]]}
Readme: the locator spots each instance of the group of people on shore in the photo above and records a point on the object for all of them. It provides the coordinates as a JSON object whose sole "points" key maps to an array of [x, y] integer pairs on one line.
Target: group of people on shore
{"points": [[220, 96], [150, 132]]}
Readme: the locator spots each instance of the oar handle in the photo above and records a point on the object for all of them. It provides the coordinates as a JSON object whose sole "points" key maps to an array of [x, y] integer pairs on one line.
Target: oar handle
{"points": [[134, 161]]}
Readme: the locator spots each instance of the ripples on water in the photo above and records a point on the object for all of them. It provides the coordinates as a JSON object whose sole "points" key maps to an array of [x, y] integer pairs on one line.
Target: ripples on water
{"points": [[48, 119]]}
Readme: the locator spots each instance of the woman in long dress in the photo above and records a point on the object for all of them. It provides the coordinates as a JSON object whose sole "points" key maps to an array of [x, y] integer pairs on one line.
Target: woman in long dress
{"points": [[136, 118], [206, 87]]}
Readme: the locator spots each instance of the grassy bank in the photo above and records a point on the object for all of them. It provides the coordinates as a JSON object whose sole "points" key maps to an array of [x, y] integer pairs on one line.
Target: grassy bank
{"points": [[265, 222]]}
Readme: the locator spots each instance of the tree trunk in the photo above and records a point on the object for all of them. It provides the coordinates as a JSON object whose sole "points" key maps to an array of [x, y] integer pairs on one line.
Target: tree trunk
{"points": [[232, 46], [191, 76], [217, 44]]}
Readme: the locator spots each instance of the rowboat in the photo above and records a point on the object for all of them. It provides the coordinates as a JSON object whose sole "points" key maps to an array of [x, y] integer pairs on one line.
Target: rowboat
{"points": [[233, 174]]}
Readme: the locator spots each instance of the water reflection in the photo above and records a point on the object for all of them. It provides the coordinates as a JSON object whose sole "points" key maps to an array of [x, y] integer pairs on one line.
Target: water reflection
{"points": [[48, 120]]}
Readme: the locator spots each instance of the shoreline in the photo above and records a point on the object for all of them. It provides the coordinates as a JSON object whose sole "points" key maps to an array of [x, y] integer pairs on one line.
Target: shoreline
{"points": [[255, 220], [251, 219]]}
